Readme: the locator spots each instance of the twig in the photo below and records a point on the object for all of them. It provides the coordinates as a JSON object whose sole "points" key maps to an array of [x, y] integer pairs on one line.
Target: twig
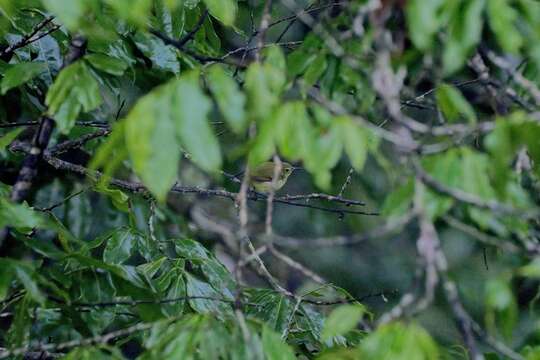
{"points": [[29, 38], [384, 230], [296, 265], [525, 83], [346, 182], [468, 198]]}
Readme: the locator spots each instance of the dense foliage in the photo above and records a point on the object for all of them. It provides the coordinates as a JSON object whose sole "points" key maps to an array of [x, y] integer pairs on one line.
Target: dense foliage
{"points": [[129, 132]]}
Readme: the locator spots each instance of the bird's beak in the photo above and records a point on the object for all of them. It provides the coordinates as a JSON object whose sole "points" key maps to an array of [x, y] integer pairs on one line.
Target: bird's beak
{"points": [[298, 168]]}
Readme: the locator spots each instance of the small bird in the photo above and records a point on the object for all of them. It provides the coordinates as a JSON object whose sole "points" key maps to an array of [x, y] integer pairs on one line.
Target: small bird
{"points": [[261, 176]]}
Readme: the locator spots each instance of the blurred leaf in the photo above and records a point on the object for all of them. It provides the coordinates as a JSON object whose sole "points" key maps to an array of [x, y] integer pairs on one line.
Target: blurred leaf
{"points": [[399, 201], [501, 305], [342, 320], [315, 70], [223, 10], [19, 74], [191, 122], [423, 21], [8, 138], [293, 130], [19, 216], [274, 347], [68, 12], [134, 11], [107, 64], [230, 99], [264, 83], [24, 272], [355, 140], [452, 104], [532, 269], [151, 140], [74, 90], [503, 21], [465, 30], [399, 342]]}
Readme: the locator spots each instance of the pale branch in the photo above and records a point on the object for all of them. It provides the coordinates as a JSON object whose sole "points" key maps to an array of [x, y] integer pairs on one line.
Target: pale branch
{"points": [[480, 236], [296, 265], [377, 233], [263, 27], [468, 198], [521, 80]]}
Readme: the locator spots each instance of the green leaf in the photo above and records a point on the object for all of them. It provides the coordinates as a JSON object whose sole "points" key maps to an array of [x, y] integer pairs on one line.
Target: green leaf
{"points": [[293, 130], [502, 19], [205, 299], [476, 174], [25, 273], [74, 90], [315, 70], [163, 57], [231, 101], [272, 308], [399, 201], [342, 320], [19, 216], [532, 269], [223, 10], [68, 12], [121, 244], [453, 104], [107, 64], [8, 138], [151, 141], [464, 34], [21, 73], [397, 341], [192, 126], [355, 140], [119, 199], [128, 273], [134, 11], [265, 82], [423, 21], [274, 347], [261, 98]]}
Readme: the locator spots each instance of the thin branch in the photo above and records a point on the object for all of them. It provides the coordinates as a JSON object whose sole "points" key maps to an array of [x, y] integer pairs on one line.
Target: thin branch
{"points": [[525, 83], [468, 198], [29, 38], [377, 233]]}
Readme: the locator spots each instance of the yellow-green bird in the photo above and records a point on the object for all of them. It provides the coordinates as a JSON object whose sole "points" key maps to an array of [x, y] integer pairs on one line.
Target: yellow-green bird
{"points": [[261, 176]]}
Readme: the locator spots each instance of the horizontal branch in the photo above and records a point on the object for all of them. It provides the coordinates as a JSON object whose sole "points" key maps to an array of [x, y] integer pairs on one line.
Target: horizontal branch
{"points": [[136, 187], [384, 230], [469, 198]]}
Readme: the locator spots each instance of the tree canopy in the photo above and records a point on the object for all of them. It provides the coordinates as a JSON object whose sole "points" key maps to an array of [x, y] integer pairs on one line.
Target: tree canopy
{"points": [[132, 134]]}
